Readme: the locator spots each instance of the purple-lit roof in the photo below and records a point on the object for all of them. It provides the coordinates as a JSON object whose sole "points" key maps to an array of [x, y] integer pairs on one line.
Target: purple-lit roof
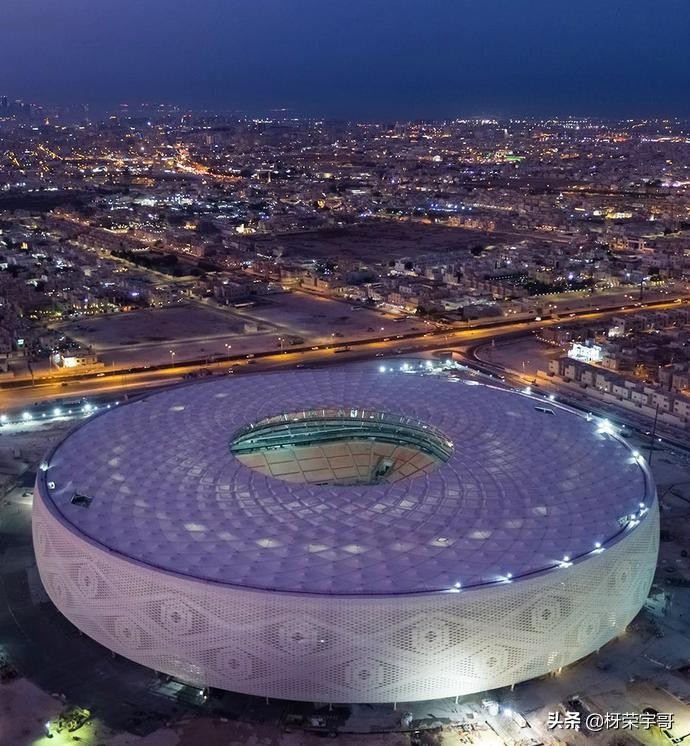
{"points": [[522, 489]]}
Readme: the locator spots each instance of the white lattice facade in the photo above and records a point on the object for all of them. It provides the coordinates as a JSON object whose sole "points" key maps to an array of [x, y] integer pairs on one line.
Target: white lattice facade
{"points": [[345, 648]]}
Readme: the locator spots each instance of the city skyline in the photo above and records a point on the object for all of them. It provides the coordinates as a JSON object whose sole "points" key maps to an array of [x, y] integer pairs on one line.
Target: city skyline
{"points": [[344, 372], [363, 61]]}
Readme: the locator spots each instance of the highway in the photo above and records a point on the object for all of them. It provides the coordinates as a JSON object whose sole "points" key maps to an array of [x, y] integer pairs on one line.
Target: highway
{"points": [[15, 395]]}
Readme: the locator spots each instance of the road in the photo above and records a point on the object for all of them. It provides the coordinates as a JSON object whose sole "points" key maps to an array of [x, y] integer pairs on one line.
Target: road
{"points": [[17, 394], [620, 416]]}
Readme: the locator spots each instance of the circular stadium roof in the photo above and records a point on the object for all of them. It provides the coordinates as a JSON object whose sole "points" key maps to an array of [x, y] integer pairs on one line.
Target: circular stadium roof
{"points": [[525, 485]]}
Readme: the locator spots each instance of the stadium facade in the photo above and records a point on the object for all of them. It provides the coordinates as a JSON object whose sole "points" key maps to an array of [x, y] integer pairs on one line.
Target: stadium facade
{"points": [[346, 536]]}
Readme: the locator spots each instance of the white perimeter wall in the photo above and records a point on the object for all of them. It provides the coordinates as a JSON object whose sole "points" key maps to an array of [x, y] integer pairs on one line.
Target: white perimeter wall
{"points": [[345, 649]]}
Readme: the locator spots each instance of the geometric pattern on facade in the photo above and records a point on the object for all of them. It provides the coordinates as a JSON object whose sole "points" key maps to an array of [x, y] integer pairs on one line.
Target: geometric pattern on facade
{"points": [[345, 649], [193, 564]]}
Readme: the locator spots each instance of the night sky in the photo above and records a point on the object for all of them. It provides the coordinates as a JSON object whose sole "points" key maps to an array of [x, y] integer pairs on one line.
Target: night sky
{"points": [[362, 59]]}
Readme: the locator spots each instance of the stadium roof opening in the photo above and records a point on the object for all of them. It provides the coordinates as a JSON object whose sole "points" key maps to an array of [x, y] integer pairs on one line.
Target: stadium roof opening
{"points": [[341, 446]]}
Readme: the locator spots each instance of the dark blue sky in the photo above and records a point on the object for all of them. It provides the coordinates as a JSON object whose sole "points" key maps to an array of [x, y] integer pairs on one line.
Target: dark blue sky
{"points": [[354, 58]]}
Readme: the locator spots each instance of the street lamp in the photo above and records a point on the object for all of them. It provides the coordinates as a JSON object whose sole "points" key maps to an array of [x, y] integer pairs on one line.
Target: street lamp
{"points": [[228, 347], [172, 358]]}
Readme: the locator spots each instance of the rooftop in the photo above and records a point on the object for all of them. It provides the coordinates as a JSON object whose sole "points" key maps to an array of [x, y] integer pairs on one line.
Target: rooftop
{"points": [[507, 486]]}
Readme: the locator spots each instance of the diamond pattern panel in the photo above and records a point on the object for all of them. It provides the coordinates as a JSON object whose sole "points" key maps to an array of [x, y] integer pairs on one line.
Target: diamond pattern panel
{"points": [[345, 648]]}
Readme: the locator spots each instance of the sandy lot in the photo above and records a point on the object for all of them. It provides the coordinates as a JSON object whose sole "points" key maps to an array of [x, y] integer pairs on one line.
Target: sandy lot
{"points": [[377, 241], [198, 330]]}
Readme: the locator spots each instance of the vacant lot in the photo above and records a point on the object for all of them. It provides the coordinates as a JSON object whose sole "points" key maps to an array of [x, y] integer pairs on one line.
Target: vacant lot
{"points": [[153, 326], [376, 241], [197, 330]]}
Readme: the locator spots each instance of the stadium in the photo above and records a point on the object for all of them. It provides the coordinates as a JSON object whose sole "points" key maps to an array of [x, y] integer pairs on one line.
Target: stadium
{"points": [[344, 535]]}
